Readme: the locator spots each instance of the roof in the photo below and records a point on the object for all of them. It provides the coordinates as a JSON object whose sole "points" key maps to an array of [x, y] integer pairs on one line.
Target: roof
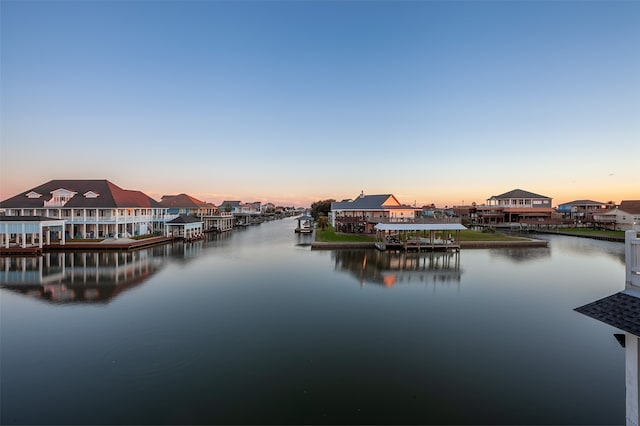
{"points": [[109, 195], [28, 219], [231, 204], [183, 200], [517, 193], [305, 217], [620, 310], [183, 218], [420, 227], [369, 202], [583, 203], [630, 206]]}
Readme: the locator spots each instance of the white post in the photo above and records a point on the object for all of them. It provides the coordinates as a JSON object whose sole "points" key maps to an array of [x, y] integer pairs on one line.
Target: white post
{"points": [[632, 357], [40, 236], [632, 256], [23, 239]]}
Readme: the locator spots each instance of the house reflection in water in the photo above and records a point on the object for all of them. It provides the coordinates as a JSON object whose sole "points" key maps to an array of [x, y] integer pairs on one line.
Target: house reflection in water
{"points": [[391, 268], [79, 277]]}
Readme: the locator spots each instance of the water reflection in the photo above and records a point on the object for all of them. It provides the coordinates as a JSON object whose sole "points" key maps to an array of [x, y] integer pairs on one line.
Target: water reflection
{"points": [[390, 268], [521, 254], [79, 277]]}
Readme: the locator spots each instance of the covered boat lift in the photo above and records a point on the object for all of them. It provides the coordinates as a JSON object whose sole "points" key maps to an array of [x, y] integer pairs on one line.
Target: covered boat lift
{"points": [[418, 236]]}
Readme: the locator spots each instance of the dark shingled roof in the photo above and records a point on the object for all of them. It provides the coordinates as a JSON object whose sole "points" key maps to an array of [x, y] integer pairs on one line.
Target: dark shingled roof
{"points": [[517, 193], [366, 202], [620, 310], [183, 218], [583, 203], [110, 195]]}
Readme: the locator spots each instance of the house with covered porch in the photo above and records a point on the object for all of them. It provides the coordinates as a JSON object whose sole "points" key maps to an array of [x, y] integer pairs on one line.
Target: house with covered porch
{"points": [[212, 218], [517, 206], [361, 214], [90, 208]]}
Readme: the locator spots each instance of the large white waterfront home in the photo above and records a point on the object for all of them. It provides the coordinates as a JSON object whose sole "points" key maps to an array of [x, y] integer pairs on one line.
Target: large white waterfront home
{"points": [[90, 208]]}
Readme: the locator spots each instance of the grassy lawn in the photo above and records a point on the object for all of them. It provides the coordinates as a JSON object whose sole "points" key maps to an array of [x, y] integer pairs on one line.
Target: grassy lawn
{"points": [[592, 232], [329, 236]]}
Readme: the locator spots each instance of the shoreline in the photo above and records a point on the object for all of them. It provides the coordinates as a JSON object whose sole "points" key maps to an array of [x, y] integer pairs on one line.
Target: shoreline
{"points": [[317, 245]]}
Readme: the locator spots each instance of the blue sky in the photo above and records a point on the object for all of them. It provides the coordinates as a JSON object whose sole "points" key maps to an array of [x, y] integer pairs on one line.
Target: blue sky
{"points": [[294, 101]]}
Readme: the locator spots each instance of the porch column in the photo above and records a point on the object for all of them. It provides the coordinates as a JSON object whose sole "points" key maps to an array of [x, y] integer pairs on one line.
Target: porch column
{"points": [[48, 236], [23, 239], [63, 236], [632, 361]]}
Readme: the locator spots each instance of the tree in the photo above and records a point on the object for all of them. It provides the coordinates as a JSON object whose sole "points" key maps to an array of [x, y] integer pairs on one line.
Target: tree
{"points": [[322, 206]]}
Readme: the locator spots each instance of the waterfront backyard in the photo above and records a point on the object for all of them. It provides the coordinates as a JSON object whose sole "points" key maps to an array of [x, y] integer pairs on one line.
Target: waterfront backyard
{"points": [[254, 327]]}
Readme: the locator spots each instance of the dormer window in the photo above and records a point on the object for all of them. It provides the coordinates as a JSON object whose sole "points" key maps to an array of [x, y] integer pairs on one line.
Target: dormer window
{"points": [[91, 194], [33, 194], [59, 197]]}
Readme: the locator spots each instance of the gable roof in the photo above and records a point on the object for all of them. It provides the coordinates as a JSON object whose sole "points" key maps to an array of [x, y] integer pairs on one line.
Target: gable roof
{"points": [[516, 193], [182, 200], [183, 218], [109, 195], [630, 206], [366, 202]]}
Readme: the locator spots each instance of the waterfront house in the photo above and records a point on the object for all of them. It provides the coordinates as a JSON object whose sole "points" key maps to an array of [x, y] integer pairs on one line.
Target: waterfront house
{"points": [[365, 211], [213, 219], [622, 311], [516, 206], [581, 211], [90, 208], [623, 218], [243, 213]]}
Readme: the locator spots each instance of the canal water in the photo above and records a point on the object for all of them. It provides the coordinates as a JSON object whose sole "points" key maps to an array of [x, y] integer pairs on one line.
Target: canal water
{"points": [[255, 327]]}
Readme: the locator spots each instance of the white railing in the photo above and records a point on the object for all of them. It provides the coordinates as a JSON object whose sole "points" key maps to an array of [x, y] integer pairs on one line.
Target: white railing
{"points": [[632, 256]]}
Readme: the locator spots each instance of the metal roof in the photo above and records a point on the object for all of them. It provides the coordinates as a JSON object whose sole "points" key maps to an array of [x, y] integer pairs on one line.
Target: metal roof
{"points": [[420, 227]]}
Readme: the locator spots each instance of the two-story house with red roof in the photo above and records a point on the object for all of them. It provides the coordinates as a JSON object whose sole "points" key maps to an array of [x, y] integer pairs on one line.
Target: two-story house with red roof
{"points": [[90, 208]]}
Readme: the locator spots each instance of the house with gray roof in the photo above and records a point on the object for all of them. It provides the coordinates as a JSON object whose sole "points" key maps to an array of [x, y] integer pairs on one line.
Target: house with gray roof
{"points": [[361, 214], [518, 206], [581, 210]]}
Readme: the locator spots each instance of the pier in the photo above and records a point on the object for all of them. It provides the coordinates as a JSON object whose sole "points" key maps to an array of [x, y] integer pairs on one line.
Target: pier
{"points": [[418, 236]]}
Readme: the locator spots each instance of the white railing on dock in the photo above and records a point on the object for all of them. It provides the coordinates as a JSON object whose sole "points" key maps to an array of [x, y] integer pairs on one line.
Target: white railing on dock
{"points": [[632, 256]]}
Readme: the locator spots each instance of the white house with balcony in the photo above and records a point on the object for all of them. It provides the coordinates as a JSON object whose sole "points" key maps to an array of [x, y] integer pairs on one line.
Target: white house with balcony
{"points": [[90, 208], [516, 206], [625, 217]]}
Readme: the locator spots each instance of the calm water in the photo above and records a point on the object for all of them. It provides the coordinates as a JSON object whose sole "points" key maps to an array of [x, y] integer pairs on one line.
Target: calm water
{"points": [[254, 327]]}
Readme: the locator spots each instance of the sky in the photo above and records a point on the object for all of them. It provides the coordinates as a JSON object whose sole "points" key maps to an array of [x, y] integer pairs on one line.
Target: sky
{"points": [[445, 102]]}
